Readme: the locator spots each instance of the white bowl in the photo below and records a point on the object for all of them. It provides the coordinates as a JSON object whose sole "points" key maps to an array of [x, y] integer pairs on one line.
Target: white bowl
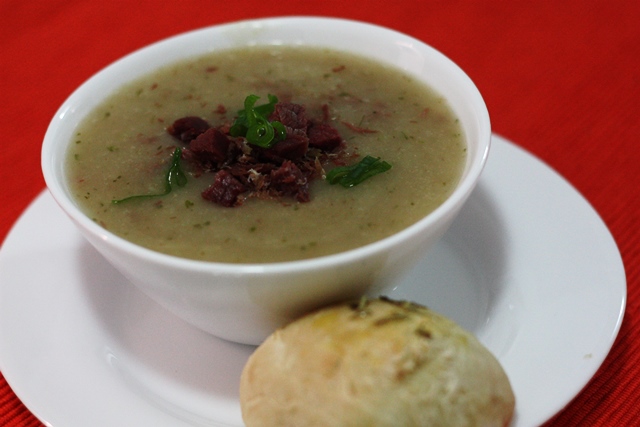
{"points": [[246, 302]]}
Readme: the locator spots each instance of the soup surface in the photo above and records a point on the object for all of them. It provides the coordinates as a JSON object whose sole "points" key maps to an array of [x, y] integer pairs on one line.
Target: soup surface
{"points": [[122, 148]]}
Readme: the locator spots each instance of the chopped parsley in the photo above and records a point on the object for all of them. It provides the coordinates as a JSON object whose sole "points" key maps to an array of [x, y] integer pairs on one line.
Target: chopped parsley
{"points": [[174, 177], [349, 176]]}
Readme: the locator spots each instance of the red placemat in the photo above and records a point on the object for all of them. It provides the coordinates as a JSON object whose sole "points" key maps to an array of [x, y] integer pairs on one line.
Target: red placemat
{"points": [[559, 78]]}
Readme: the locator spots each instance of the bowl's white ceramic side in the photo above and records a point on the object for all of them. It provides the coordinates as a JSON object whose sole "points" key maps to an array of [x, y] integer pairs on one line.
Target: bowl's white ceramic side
{"points": [[245, 303]]}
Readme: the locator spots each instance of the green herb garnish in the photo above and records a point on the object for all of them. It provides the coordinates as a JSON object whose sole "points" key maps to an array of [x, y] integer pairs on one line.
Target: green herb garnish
{"points": [[349, 176], [174, 176], [254, 125]]}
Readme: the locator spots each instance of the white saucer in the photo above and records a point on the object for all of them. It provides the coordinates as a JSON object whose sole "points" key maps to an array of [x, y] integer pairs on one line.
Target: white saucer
{"points": [[529, 267]]}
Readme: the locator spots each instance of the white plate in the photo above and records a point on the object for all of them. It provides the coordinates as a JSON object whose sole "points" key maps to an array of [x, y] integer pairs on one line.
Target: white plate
{"points": [[529, 267]]}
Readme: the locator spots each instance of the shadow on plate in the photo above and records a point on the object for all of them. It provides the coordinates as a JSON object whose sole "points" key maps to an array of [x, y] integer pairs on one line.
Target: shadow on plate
{"points": [[178, 368], [463, 277]]}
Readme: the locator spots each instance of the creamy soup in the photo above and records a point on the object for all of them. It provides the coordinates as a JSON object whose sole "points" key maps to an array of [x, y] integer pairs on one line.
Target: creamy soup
{"points": [[123, 148]]}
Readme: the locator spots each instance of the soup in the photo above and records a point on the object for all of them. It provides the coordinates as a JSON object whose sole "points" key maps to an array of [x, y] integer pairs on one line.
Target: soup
{"points": [[123, 148]]}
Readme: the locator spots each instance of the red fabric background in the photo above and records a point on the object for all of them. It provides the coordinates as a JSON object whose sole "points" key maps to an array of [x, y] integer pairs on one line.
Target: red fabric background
{"points": [[560, 79]]}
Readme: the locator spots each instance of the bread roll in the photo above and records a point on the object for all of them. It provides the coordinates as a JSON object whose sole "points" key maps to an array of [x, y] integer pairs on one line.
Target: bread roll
{"points": [[374, 363]]}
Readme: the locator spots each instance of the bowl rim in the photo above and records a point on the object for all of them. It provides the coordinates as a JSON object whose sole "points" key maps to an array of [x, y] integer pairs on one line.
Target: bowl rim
{"points": [[463, 189]]}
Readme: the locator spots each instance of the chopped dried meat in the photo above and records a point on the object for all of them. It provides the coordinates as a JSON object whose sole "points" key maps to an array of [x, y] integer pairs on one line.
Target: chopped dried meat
{"points": [[324, 136], [293, 147], [242, 170], [358, 129], [210, 148], [290, 115], [225, 190], [288, 180], [188, 128]]}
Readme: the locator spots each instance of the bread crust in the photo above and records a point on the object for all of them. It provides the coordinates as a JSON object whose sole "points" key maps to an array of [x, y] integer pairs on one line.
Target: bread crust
{"points": [[374, 363]]}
